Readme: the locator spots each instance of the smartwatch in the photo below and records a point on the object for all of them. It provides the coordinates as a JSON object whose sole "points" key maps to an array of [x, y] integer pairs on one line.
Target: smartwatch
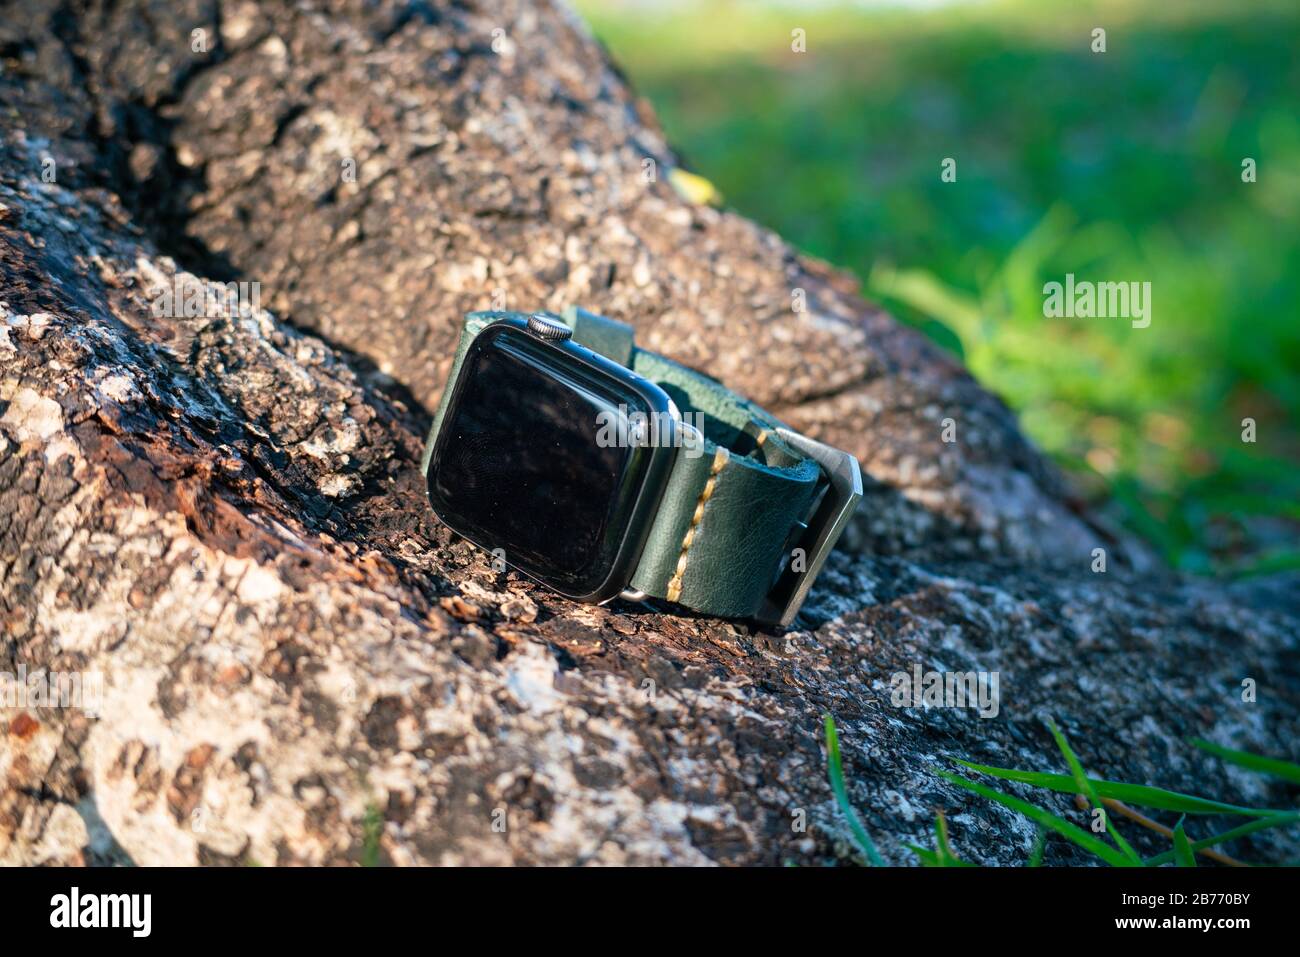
{"points": [[602, 470]]}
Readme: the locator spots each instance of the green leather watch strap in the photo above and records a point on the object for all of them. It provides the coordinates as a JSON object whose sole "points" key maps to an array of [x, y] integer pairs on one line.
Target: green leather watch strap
{"points": [[731, 502], [733, 498], [612, 339]]}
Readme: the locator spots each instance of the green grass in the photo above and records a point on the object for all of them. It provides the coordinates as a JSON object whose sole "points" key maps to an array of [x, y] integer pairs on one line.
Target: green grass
{"points": [[1286, 770], [372, 829], [1036, 851], [1043, 818], [1183, 852], [836, 775], [1115, 167], [943, 855], [1261, 824], [1085, 787], [1141, 795], [1184, 856]]}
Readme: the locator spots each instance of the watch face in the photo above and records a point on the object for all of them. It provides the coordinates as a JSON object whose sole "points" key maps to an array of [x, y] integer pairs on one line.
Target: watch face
{"points": [[525, 460]]}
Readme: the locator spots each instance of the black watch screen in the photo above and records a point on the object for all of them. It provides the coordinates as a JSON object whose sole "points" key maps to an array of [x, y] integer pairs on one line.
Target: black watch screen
{"points": [[522, 464]]}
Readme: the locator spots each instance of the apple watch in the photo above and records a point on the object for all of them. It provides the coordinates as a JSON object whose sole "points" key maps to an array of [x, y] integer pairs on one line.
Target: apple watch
{"points": [[601, 470]]}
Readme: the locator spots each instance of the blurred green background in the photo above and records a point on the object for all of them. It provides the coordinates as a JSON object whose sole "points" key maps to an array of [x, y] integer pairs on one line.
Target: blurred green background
{"points": [[1116, 166]]}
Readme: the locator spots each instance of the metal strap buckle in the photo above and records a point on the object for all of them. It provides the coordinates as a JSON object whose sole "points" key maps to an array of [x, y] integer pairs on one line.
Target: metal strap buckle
{"points": [[824, 527]]}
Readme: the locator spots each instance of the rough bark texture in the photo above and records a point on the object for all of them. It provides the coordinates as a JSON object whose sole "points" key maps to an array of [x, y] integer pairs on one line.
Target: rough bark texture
{"points": [[223, 515]]}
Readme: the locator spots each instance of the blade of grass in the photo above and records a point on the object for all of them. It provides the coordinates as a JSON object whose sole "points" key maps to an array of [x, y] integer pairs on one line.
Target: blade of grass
{"points": [[928, 858], [943, 849], [1183, 852], [1255, 762], [1045, 818], [836, 773], [372, 826], [1140, 794], [1138, 817], [1086, 788], [1036, 851], [1276, 820]]}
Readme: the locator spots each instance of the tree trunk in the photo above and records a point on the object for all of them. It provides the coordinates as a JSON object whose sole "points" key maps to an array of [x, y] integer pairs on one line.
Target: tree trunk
{"points": [[221, 515]]}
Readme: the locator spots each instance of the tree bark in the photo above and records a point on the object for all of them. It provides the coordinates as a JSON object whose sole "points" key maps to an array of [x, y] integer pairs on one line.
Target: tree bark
{"points": [[223, 515]]}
